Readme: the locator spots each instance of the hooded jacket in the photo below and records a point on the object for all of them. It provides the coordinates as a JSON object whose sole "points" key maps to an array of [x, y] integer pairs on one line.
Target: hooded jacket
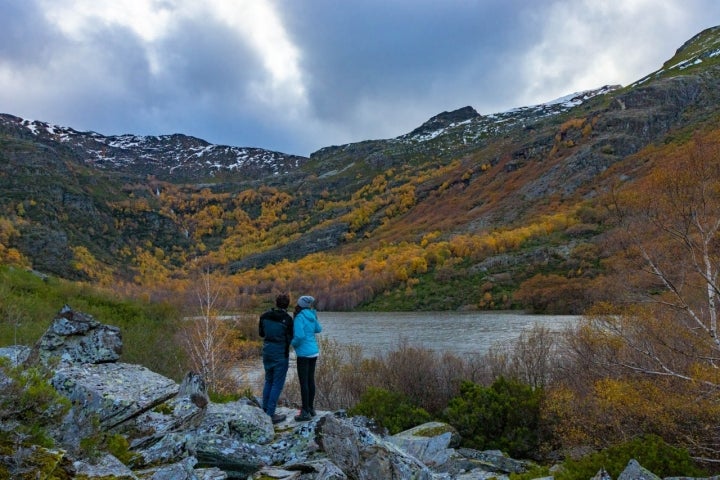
{"points": [[306, 325], [276, 329]]}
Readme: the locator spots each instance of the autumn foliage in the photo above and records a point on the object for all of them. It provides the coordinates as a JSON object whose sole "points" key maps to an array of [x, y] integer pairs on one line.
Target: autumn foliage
{"points": [[648, 362]]}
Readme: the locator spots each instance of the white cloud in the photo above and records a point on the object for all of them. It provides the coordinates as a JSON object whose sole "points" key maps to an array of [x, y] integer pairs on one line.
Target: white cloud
{"points": [[255, 23], [259, 25], [589, 43], [76, 18]]}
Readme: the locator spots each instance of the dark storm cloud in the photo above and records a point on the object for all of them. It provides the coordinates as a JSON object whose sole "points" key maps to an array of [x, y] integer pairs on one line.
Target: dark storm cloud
{"points": [[207, 60], [203, 84], [304, 74], [386, 51], [25, 37]]}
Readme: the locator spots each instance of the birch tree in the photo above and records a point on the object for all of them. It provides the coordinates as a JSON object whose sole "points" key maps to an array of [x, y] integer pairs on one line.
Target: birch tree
{"points": [[671, 235], [209, 339], [648, 363]]}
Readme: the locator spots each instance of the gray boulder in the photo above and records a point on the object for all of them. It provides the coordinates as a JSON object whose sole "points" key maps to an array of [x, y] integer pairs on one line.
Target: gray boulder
{"points": [[602, 474], [494, 461], [17, 354], [182, 470], [182, 413], [432, 443], [239, 420], [175, 415], [635, 471], [362, 455], [321, 469], [76, 337], [107, 466], [193, 386], [115, 392], [160, 450], [239, 459]]}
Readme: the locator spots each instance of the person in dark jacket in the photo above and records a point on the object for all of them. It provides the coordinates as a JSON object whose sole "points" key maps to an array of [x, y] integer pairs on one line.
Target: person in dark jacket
{"points": [[276, 329], [305, 327]]}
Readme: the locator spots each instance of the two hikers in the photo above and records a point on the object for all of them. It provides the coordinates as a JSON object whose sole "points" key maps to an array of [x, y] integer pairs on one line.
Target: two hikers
{"points": [[279, 330]]}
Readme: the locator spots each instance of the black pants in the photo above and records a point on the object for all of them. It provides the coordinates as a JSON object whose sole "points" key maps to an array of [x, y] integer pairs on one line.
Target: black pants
{"points": [[306, 375]]}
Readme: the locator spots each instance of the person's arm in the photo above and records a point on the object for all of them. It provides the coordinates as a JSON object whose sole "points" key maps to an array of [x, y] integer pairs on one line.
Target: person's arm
{"points": [[298, 330], [318, 327], [261, 327], [290, 332]]}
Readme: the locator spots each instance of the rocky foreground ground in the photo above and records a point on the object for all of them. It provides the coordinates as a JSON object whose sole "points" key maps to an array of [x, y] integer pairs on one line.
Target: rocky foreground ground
{"points": [[176, 433]]}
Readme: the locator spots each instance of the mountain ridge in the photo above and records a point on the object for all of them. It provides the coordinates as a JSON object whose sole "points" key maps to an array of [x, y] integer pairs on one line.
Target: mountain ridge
{"points": [[162, 155], [175, 156], [137, 209]]}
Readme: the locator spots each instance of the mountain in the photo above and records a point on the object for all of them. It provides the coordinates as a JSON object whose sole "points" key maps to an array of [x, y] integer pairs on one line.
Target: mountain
{"points": [[407, 222], [169, 157]]}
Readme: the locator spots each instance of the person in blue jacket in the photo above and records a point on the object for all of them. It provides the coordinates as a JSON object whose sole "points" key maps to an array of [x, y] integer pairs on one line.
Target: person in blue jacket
{"points": [[306, 325], [276, 330]]}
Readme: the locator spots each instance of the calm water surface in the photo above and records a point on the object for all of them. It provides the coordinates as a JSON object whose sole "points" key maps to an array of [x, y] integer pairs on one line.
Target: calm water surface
{"points": [[456, 332]]}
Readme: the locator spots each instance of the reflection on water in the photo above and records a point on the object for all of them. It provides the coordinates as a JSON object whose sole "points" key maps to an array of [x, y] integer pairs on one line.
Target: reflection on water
{"points": [[457, 332]]}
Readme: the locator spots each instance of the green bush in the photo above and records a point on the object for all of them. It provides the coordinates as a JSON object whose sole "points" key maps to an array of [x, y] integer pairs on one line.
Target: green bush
{"points": [[504, 416], [534, 472], [650, 451], [390, 410], [28, 400]]}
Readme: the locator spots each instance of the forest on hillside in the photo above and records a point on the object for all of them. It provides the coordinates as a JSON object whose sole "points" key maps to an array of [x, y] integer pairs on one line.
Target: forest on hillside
{"points": [[559, 262], [636, 378]]}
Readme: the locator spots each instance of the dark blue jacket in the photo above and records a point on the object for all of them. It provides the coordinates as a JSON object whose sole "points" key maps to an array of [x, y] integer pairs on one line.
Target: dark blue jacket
{"points": [[276, 329]]}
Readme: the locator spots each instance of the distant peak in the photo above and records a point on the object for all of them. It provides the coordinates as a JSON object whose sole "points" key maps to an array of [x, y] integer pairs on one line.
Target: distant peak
{"points": [[455, 116], [446, 119]]}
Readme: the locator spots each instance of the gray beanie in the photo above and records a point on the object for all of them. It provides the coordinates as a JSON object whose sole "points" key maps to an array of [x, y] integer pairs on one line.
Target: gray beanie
{"points": [[305, 301]]}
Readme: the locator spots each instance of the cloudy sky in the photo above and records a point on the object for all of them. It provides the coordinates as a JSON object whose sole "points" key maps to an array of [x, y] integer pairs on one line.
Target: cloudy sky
{"points": [[298, 75]]}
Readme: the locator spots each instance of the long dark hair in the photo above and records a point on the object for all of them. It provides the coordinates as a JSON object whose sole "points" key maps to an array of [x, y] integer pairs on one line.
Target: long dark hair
{"points": [[297, 310]]}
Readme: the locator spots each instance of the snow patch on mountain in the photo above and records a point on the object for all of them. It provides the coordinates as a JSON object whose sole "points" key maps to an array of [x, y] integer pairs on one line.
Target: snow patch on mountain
{"points": [[172, 154], [481, 126]]}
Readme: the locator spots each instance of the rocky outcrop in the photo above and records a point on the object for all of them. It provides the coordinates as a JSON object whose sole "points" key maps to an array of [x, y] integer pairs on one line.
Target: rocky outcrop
{"points": [[445, 120], [77, 338], [175, 432], [113, 392], [431, 443]]}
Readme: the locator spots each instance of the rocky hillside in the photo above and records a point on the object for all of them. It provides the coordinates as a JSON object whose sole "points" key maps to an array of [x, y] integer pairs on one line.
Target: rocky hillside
{"points": [[135, 209]]}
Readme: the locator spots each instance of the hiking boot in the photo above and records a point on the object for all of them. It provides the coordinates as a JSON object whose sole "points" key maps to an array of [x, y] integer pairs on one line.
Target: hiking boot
{"points": [[303, 417], [278, 417], [312, 412]]}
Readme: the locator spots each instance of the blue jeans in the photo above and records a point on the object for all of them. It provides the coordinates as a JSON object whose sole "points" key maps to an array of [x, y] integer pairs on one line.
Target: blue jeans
{"points": [[274, 383]]}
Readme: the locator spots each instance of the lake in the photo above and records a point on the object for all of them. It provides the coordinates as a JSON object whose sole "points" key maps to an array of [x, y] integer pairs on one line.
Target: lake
{"points": [[462, 333]]}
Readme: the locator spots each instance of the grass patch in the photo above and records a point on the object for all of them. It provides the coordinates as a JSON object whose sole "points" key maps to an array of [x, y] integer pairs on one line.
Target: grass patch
{"points": [[29, 303]]}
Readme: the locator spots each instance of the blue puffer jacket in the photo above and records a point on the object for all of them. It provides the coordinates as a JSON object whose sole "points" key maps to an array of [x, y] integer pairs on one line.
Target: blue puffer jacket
{"points": [[305, 327]]}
